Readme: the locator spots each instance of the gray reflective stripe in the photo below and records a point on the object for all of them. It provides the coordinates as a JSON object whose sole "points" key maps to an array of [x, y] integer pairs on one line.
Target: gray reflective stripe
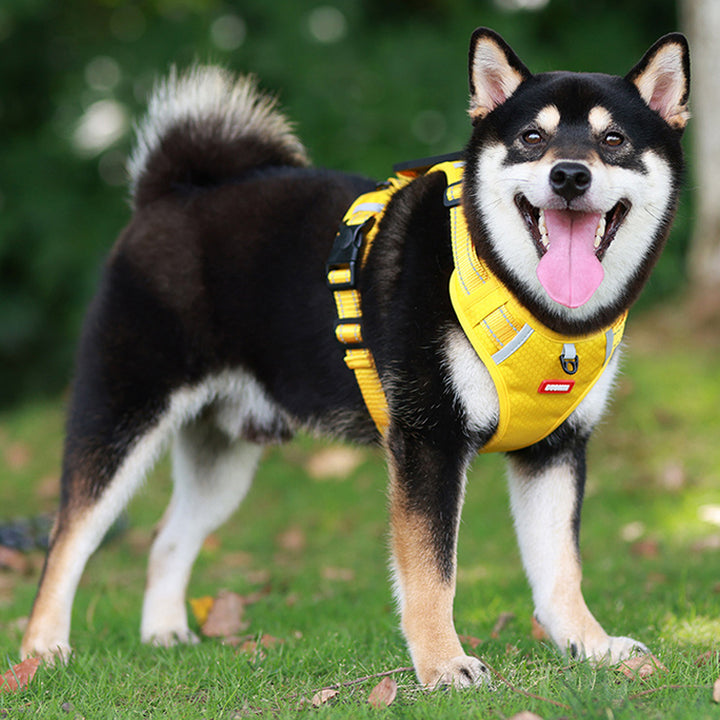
{"points": [[609, 340], [569, 352], [368, 207], [515, 344]]}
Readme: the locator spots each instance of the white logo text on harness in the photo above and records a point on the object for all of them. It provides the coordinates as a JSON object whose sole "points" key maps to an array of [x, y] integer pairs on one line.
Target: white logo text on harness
{"points": [[556, 387]]}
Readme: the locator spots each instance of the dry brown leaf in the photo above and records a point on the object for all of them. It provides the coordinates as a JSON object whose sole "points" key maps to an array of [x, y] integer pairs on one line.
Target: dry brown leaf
{"points": [[504, 619], [707, 657], [538, 632], [293, 539], [322, 696], [48, 488], [340, 574], [716, 691], [17, 455], [384, 693], [13, 559], [335, 462], [649, 548], [211, 543], [225, 617], [470, 641], [201, 608], [19, 677], [641, 666]]}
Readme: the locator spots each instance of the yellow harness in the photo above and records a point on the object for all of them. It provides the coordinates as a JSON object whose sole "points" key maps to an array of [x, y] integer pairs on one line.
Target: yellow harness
{"points": [[540, 376]]}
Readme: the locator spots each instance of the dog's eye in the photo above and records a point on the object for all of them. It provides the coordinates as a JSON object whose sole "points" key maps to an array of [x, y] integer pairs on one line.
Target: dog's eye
{"points": [[613, 139], [532, 137]]}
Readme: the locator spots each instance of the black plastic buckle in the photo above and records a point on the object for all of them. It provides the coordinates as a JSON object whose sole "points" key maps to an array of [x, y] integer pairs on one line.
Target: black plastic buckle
{"points": [[451, 202], [344, 254]]}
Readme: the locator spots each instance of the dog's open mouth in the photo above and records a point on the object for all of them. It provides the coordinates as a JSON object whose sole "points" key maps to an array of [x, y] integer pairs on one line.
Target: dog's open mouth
{"points": [[571, 245]]}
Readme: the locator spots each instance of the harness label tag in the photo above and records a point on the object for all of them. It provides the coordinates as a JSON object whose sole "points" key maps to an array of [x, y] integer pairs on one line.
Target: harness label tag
{"points": [[556, 387]]}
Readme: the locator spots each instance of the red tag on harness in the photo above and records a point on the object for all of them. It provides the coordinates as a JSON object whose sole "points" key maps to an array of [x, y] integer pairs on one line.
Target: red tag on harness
{"points": [[556, 387]]}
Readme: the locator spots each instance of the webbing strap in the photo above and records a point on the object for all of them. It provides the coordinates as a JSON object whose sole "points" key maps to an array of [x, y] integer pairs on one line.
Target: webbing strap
{"points": [[352, 245]]}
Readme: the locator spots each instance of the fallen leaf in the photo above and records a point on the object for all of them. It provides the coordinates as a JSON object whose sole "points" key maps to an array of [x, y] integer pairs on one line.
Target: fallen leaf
{"points": [[641, 666], [293, 539], [211, 543], [17, 455], [707, 657], [716, 691], [645, 548], [13, 559], [341, 574], [384, 693], [19, 676], [538, 632], [335, 462], [225, 617], [322, 696], [470, 641], [48, 488], [503, 621], [201, 608]]}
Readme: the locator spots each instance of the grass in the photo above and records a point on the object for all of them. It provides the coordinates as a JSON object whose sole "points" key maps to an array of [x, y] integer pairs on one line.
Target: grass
{"points": [[650, 559]]}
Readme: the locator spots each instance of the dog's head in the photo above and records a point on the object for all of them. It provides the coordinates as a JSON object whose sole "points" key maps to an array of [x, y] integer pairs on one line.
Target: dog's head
{"points": [[572, 178]]}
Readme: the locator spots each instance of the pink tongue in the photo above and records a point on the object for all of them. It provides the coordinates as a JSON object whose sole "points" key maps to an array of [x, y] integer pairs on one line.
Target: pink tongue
{"points": [[570, 271]]}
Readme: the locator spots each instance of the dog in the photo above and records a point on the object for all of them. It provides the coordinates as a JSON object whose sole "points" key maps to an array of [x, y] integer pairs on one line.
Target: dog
{"points": [[213, 327]]}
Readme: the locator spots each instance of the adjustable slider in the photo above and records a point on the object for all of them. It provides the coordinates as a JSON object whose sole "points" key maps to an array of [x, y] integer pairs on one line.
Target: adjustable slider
{"points": [[452, 195], [349, 332], [341, 265]]}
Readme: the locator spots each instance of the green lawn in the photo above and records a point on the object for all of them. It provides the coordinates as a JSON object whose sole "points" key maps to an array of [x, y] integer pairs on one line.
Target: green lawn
{"points": [[313, 546]]}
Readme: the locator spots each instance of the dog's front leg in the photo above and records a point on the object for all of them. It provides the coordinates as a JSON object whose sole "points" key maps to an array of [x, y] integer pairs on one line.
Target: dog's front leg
{"points": [[426, 493], [546, 497]]}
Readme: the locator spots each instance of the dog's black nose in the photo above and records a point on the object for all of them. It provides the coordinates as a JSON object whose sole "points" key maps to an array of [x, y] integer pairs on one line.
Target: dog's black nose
{"points": [[570, 179]]}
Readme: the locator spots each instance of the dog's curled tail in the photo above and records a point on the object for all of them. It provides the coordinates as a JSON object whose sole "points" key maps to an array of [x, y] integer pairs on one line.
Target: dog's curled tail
{"points": [[205, 127]]}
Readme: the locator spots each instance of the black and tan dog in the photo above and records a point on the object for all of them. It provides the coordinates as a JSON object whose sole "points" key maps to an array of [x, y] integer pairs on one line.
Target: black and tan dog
{"points": [[213, 327]]}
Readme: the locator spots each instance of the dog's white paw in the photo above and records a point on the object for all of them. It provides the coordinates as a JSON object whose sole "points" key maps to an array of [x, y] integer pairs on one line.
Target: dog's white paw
{"points": [[49, 653], [614, 650], [171, 638], [462, 671]]}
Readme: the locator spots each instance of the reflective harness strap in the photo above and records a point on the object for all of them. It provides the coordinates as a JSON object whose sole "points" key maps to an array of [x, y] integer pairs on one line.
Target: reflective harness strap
{"points": [[537, 388]]}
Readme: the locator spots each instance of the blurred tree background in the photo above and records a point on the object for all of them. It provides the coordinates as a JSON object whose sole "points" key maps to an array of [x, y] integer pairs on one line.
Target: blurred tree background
{"points": [[368, 83]]}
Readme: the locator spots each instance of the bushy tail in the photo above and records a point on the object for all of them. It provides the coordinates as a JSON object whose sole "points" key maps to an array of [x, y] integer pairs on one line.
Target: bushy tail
{"points": [[204, 127]]}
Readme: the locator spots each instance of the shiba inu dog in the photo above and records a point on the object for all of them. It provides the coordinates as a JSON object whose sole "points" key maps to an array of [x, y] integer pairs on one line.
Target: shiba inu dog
{"points": [[213, 328]]}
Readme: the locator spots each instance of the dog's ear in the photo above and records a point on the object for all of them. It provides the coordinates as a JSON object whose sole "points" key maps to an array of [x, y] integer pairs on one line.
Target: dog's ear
{"points": [[495, 72], [663, 79]]}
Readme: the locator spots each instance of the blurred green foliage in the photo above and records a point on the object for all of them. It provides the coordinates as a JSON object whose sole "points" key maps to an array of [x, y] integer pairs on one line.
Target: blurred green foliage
{"points": [[368, 84]]}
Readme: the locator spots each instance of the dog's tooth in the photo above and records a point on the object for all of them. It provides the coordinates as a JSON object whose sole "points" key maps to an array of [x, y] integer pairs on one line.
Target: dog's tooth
{"points": [[600, 232]]}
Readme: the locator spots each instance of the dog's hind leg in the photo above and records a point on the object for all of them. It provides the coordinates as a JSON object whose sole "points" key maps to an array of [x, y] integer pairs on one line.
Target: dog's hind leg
{"points": [[98, 480], [546, 495], [211, 473]]}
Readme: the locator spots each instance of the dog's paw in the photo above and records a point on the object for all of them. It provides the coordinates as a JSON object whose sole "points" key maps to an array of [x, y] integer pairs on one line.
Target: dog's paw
{"points": [[615, 649], [49, 653], [172, 638], [462, 671]]}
